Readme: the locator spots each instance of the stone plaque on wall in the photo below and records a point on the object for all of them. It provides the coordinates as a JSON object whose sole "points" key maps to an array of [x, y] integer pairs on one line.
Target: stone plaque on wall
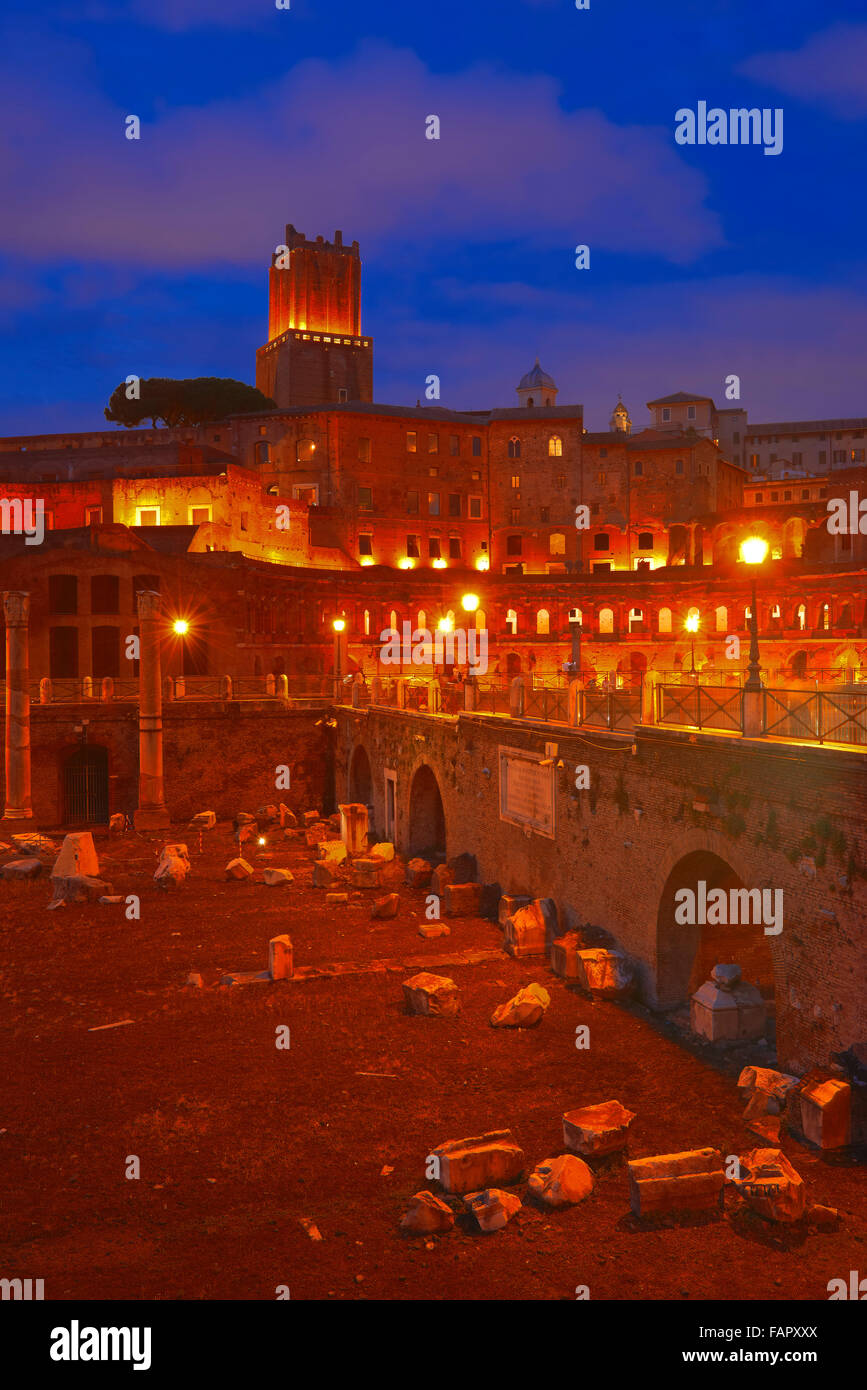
{"points": [[526, 790]]}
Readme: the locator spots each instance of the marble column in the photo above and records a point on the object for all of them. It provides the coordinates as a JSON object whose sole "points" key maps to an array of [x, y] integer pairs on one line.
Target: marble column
{"points": [[18, 809], [152, 813]]}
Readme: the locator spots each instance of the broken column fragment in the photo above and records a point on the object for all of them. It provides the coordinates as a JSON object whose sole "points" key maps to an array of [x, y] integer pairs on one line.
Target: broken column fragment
{"points": [[595, 1130], [434, 995], [467, 1165], [688, 1181]]}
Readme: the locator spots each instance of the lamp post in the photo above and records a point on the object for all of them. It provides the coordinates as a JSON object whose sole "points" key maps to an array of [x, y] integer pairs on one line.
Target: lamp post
{"points": [[338, 626], [691, 626], [753, 552]]}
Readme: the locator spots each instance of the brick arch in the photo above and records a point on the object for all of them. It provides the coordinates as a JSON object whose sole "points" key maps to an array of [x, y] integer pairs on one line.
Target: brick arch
{"points": [[425, 813], [360, 776], [684, 955]]}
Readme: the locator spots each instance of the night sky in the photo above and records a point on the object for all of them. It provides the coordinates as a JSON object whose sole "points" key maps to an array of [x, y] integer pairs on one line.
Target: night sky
{"points": [[557, 128]]}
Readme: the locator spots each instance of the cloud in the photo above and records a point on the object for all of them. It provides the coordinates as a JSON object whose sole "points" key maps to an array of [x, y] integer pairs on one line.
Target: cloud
{"points": [[337, 144], [828, 70]]}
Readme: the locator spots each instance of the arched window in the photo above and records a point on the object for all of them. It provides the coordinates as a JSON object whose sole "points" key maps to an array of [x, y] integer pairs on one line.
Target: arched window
{"points": [[826, 616], [802, 616], [722, 618], [606, 620], [367, 622], [393, 619], [422, 619], [512, 622], [693, 616], [555, 447], [557, 543], [542, 622], [665, 620], [481, 620], [514, 447]]}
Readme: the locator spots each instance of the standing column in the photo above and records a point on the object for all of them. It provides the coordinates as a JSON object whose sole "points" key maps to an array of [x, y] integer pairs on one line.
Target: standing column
{"points": [[152, 813], [18, 808]]}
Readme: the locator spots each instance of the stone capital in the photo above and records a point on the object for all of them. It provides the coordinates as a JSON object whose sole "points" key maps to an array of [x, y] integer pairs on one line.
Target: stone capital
{"points": [[148, 603], [16, 608]]}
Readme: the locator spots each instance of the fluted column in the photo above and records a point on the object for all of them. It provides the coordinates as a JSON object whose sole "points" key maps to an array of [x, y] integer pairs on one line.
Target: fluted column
{"points": [[18, 807], [152, 813]]}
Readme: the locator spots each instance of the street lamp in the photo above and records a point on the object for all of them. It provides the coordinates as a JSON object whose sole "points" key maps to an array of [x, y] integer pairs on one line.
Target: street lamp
{"points": [[470, 603], [339, 628], [753, 552], [691, 626], [181, 627]]}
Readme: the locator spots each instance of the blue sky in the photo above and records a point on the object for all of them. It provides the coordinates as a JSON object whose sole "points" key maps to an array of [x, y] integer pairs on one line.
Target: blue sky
{"points": [[557, 128]]}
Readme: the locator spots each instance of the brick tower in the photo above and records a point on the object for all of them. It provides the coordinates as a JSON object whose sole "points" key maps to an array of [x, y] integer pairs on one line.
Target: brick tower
{"points": [[315, 352]]}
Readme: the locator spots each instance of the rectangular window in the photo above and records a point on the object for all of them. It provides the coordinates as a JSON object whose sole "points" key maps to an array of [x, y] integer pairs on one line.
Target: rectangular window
{"points": [[342, 395], [412, 504], [560, 480], [454, 547], [93, 516], [147, 516], [433, 504], [412, 547], [365, 499], [603, 453], [796, 459], [678, 467], [805, 494], [515, 515], [638, 468], [104, 594], [411, 441], [823, 458], [63, 652], [477, 446], [365, 544], [516, 481], [839, 456], [455, 445], [454, 504], [476, 476], [364, 450], [433, 548], [666, 413], [857, 455], [475, 508], [754, 460], [62, 594], [690, 412], [736, 437], [544, 513], [433, 443], [433, 472], [199, 515]]}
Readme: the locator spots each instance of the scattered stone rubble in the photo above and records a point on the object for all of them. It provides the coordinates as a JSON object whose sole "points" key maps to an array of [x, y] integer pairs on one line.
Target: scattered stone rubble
{"points": [[770, 1185], [726, 1009], [597, 1130], [560, 1182], [468, 1165], [525, 1010], [434, 995], [689, 1181], [173, 867], [492, 1207]]}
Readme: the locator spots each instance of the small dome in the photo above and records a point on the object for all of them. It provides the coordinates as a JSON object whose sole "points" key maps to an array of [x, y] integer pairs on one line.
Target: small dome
{"points": [[536, 378]]}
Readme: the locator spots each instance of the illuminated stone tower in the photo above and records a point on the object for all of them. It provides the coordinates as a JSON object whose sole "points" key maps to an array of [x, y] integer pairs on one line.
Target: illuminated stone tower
{"points": [[315, 354]]}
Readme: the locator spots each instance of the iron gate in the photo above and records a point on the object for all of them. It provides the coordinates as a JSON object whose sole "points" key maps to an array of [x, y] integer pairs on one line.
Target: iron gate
{"points": [[86, 787]]}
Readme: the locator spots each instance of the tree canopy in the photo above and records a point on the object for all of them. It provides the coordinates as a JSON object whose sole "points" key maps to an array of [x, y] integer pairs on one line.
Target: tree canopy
{"points": [[194, 401]]}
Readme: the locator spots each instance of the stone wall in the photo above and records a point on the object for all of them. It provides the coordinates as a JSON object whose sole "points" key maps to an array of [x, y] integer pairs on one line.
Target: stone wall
{"points": [[776, 817]]}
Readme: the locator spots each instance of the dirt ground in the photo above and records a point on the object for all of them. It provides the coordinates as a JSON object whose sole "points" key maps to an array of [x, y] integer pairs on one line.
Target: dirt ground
{"points": [[242, 1145]]}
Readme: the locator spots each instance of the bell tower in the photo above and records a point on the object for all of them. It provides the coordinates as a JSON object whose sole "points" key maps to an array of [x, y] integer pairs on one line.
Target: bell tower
{"points": [[316, 353]]}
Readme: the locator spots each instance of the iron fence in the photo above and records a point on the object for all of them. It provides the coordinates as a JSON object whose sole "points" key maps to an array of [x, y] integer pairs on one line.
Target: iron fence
{"points": [[700, 707], [550, 704], [817, 716], [611, 709]]}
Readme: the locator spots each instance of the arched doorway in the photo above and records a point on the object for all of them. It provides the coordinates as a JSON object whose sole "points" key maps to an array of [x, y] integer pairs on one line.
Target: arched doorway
{"points": [[85, 786], [513, 664], [427, 821], [360, 777], [686, 954]]}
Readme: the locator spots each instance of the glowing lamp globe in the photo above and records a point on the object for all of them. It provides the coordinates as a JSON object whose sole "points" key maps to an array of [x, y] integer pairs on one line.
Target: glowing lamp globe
{"points": [[470, 603], [181, 627], [754, 550]]}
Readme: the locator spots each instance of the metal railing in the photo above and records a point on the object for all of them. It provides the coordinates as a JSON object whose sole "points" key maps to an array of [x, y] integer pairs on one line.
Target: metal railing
{"points": [[816, 717], [610, 709], [550, 704], [700, 707]]}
